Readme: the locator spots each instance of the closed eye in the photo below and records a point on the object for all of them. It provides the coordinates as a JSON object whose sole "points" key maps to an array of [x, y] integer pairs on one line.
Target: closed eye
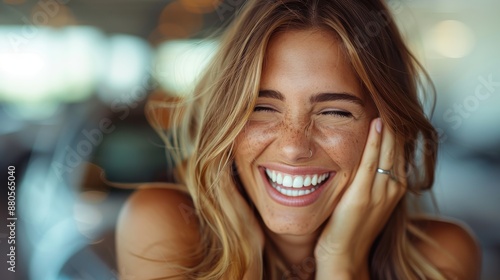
{"points": [[342, 114], [262, 108]]}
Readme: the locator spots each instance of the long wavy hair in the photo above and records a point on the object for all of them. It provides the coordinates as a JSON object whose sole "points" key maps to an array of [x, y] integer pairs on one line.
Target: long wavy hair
{"points": [[205, 125]]}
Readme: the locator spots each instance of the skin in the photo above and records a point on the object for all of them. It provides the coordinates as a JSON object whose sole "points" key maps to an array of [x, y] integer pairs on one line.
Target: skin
{"points": [[337, 231], [299, 65]]}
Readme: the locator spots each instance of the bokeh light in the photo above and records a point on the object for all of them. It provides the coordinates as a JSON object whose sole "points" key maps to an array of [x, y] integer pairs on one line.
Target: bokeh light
{"points": [[176, 22], [452, 39], [181, 62], [53, 65], [125, 71]]}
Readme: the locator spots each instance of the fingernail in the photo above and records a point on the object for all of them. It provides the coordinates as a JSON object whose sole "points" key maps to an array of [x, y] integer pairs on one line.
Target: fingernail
{"points": [[378, 125]]}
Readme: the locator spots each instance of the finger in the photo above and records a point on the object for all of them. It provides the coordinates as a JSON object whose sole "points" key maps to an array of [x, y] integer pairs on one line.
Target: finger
{"points": [[386, 160], [387, 149], [369, 161]]}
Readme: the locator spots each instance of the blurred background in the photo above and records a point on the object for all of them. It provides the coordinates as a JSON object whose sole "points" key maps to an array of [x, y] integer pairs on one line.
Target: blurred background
{"points": [[75, 76]]}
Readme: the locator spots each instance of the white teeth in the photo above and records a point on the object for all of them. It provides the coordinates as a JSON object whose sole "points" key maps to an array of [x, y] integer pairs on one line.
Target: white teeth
{"points": [[279, 179], [314, 180], [287, 181], [269, 173], [298, 182], [292, 192], [307, 181]]}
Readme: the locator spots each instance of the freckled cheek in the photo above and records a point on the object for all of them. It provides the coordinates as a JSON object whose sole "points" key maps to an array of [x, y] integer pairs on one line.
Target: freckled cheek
{"points": [[253, 140], [249, 145], [344, 147]]}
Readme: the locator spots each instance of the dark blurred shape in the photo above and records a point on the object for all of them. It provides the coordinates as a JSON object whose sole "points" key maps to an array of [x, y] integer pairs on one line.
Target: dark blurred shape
{"points": [[53, 14]]}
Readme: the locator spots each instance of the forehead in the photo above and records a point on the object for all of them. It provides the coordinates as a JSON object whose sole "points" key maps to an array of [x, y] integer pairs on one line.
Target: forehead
{"points": [[308, 60]]}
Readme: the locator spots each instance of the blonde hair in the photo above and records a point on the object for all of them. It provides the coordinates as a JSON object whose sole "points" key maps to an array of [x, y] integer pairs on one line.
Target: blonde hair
{"points": [[205, 126]]}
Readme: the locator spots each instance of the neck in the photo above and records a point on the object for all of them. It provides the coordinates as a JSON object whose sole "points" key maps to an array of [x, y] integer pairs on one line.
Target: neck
{"points": [[297, 252]]}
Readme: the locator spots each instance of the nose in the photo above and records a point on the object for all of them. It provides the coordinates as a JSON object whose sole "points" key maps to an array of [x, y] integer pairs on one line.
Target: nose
{"points": [[295, 142]]}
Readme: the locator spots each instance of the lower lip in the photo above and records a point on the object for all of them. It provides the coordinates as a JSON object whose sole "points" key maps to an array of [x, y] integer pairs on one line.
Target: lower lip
{"points": [[294, 201]]}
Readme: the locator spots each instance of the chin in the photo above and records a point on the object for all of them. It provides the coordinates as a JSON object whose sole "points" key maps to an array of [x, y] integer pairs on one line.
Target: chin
{"points": [[292, 229], [282, 220]]}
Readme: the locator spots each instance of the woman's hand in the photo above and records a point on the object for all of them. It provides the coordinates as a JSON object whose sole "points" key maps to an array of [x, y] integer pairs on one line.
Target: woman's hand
{"points": [[363, 209]]}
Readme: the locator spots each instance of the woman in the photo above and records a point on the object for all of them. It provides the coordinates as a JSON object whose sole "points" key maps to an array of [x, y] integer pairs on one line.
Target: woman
{"points": [[304, 135]]}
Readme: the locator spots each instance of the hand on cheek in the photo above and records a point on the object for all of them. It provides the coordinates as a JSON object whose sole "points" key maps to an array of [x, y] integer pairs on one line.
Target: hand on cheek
{"points": [[365, 205]]}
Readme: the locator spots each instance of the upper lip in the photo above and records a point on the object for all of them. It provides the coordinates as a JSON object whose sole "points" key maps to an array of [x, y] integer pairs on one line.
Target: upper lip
{"points": [[296, 170]]}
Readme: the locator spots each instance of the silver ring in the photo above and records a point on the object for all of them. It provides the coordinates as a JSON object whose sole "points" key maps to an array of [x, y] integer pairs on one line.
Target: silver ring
{"points": [[387, 172], [383, 171], [310, 153]]}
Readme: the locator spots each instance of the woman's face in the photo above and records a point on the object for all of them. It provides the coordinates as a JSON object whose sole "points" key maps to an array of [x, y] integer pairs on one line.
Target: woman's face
{"points": [[304, 140]]}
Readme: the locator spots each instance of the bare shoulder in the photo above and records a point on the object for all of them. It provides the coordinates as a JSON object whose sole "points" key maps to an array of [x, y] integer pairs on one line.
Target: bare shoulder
{"points": [[459, 255], [157, 227]]}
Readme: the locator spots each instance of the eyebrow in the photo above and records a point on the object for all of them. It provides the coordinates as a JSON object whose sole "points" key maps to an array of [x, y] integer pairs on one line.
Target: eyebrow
{"points": [[320, 97], [323, 97], [271, 94]]}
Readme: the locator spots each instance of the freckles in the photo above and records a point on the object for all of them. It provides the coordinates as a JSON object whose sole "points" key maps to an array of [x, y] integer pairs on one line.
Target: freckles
{"points": [[339, 140], [343, 146], [253, 138]]}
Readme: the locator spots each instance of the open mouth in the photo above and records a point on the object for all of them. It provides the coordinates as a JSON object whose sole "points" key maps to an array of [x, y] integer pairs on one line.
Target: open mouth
{"points": [[295, 185]]}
